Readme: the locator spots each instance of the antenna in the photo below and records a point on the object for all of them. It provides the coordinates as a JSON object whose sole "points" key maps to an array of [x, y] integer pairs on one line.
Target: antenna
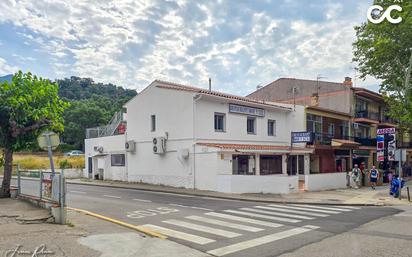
{"points": [[318, 77]]}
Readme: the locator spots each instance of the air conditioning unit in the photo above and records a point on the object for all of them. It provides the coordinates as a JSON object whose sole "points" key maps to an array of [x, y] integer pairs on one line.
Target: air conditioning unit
{"points": [[99, 149], [355, 125], [130, 146], [159, 145]]}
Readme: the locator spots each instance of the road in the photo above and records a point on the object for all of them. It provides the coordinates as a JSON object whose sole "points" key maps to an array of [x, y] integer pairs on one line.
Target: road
{"points": [[223, 227]]}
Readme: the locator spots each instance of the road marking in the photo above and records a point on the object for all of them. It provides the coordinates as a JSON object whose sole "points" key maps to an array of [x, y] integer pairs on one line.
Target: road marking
{"points": [[260, 241], [292, 211], [321, 207], [224, 223], [180, 235], [278, 214], [78, 192], [147, 231], [219, 232], [347, 207], [263, 216], [246, 220], [112, 196], [303, 209], [200, 208], [178, 205], [142, 200]]}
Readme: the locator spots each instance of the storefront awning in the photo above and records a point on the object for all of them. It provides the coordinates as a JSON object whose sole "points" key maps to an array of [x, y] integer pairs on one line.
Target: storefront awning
{"points": [[344, 143], [258, 148]]}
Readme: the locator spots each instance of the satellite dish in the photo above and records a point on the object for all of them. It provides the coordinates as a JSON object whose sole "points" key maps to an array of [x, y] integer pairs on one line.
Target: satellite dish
{"points": [[48, 138]]}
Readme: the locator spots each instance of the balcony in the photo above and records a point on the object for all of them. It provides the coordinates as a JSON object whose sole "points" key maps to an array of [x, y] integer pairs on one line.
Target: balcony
{"points": [[326, 139], [367, 117], [404, 144]]}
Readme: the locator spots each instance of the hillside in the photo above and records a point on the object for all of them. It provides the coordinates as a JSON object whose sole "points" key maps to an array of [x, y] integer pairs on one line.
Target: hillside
{"points": [[6, 78]]}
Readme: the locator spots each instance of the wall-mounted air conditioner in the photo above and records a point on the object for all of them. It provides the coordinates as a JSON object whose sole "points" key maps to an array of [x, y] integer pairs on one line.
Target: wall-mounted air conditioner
{"points": [[98, 149], [130, 146], [159, 145]]}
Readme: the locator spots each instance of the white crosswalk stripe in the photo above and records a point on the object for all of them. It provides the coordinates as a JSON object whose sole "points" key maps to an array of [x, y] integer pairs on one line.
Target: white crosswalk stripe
{"points": [[304, 209], [219, 232], [260, 241], [255, 215], [224, 223], [321, 207], [245, 220], [180, 235], [292, 211], [278, 214]]}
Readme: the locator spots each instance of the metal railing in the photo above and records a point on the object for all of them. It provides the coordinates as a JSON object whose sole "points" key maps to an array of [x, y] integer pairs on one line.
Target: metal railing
{"points": [[326, 139], [367, 115], [107, 130]]}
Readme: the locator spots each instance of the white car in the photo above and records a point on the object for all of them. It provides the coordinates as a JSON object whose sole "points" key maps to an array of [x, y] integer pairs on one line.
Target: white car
{"points": [[74, 153]]}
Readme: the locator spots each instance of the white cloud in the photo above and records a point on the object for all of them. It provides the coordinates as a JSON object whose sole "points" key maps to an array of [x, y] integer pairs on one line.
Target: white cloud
{"points": [[6, 69], [130, 43]]}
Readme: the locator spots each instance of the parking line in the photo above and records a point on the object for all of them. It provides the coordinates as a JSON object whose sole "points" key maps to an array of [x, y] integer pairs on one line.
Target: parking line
{"points": [[142, 200], [260, 241], [112, 196]]}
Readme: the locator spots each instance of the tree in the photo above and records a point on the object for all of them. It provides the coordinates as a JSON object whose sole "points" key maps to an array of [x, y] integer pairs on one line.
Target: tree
{"points": [[28, 106], [384, 51]]}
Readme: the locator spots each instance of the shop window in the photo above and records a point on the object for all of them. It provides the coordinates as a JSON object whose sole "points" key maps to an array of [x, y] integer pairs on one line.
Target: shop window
{"points": [[219, 122], [243, 164], [118, 160], [270, 164]]}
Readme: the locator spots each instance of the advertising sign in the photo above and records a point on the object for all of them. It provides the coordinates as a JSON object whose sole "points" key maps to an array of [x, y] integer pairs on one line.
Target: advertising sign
{"points": [[385, 131], [234, 108], [391, 146], [380, 156], [302, 137]]}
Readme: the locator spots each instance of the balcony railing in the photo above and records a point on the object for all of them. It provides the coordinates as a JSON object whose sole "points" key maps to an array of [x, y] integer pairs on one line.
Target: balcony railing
{"points": [[367, 115], [404, 144], [326, 139]]}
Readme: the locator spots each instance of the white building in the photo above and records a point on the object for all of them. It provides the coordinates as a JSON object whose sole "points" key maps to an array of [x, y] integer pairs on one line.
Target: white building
{"points": [[204, 140]]}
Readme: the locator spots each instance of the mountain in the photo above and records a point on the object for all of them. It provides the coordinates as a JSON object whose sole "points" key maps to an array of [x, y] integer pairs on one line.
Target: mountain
{"points": [[6, 78]]}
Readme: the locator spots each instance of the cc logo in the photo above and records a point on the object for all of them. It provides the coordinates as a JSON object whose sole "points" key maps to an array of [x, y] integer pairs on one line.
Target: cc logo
{"points": [[385, 15]]}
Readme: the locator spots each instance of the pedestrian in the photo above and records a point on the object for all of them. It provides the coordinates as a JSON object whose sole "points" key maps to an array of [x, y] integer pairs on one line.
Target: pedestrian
{"points": [[356, 173], [373, 176]]}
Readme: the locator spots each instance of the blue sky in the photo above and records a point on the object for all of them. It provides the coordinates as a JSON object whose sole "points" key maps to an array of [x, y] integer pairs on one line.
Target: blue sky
{"points": [[239, 44]]}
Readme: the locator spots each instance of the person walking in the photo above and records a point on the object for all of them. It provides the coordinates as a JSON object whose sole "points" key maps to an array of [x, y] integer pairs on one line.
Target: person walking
{"points": [[356, 174], [373, 176]]}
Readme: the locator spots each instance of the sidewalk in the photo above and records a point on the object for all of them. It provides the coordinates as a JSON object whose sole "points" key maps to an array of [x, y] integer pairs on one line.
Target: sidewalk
{"points": [[24, 227], [362, 196]]}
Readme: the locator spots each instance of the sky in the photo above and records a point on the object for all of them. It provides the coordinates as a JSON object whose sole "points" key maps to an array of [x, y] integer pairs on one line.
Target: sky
{"points": [[238, 44]]}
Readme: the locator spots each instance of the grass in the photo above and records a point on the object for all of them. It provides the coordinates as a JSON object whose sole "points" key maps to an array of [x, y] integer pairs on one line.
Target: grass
{"points": [[42, 162]]}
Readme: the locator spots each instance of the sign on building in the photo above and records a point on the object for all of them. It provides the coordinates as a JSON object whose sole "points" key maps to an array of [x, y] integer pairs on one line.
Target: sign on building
{"points": [[234, 108], [302, 137], [385, 131], [380, 148], [385, 142]]}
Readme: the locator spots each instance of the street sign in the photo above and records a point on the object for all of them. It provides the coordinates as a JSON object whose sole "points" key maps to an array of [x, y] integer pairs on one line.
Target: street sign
{"points": [[391, 146], [302, 137], [43, 142]]}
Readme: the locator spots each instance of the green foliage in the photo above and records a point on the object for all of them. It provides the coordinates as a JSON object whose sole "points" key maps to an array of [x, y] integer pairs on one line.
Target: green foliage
{"points": [[92, 105], [384, 51], [65, 164], [29, 105]]}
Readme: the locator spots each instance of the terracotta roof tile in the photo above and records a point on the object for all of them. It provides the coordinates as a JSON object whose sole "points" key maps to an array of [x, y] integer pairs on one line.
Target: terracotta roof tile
{"points": [[251, 146]]}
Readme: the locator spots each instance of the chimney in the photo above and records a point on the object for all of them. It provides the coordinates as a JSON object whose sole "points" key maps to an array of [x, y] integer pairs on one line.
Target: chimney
{"points": [[314, 100], [348, 81], [210, 84]]}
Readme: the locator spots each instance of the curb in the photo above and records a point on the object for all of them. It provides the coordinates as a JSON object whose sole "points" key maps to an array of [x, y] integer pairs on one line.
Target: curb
{"points": [[121, 223], [224, 197]]}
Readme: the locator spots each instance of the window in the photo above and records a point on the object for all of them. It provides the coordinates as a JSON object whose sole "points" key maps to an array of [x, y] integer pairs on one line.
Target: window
{"points": [[118, 160], [243, 164], [271, 128], [270, 164], [331, 129], [152, 123], [314, 124], [251, 129], [219, 122]]}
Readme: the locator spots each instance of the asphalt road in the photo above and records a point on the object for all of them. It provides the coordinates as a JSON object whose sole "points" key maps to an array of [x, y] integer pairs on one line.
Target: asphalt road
{"points": [[223, 227]]}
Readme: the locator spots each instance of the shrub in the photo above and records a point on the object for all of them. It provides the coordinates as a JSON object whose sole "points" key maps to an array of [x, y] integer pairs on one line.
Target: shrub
{"points": [[65, 164]]}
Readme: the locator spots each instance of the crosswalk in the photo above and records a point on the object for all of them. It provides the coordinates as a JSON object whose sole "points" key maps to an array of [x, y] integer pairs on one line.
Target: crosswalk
{"points": [[266, 222]]}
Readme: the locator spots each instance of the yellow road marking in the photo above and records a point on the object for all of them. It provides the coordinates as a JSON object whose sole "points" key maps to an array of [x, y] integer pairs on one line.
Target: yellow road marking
{"points": [[144, 230]]}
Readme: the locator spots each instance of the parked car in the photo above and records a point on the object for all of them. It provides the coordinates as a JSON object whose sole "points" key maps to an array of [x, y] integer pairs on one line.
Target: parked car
{"points": [[74, 153]]}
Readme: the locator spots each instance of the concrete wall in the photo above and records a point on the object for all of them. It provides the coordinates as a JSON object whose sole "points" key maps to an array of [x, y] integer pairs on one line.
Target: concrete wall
{"points": [[325, 181], [274, 184]]}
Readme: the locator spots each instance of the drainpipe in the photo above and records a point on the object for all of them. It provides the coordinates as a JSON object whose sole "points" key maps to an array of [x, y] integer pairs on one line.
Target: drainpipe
{"points": [[196, 98]]}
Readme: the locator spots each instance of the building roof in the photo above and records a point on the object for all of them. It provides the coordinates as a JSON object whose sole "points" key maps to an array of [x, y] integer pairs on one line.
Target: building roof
{"points": [[317, 108], [254, 147], [176, 86], [367, 93]]}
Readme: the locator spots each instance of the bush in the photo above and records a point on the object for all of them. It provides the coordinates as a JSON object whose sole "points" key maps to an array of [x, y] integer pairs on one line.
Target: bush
{"points": [[65, 164]]}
